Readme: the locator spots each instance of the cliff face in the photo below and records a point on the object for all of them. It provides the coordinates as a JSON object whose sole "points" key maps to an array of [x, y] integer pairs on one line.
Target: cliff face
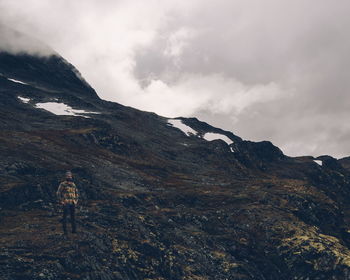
{"points": [[160, 198]]}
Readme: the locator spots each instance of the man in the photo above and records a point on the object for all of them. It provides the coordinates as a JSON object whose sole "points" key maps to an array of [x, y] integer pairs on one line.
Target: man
{"points": [[68, 195]]}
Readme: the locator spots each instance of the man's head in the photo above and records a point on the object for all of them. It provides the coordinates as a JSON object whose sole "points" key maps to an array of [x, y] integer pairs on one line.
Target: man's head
{"points": [[69, 176]]}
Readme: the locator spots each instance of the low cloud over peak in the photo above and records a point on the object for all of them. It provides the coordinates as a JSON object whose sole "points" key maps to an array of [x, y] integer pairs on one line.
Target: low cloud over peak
{"points": [[13, 41]]}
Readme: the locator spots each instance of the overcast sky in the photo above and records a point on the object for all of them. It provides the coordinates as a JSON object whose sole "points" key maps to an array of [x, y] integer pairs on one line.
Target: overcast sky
{"points": [[272, 70]]}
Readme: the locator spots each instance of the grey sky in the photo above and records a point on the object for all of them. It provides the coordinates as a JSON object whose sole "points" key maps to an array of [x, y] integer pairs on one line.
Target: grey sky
{"points": [[273, 70]]}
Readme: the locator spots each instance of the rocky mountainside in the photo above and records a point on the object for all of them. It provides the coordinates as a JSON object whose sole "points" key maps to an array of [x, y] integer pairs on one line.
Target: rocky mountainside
{"points": [[160, 198]]}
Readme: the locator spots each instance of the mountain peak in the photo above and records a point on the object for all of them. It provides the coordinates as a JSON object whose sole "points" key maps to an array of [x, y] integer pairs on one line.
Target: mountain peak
{"points": [[52, 73]]}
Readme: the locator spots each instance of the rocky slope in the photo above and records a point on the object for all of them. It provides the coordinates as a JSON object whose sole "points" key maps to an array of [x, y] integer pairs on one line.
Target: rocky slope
{"points": [[158, 202]]}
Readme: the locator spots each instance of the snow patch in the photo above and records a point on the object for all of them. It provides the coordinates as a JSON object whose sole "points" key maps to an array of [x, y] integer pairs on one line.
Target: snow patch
{"points": [[23, 99], [210, 136], [319, 162], [62, 109], [17, 81], [184, 128], [232, 150]]}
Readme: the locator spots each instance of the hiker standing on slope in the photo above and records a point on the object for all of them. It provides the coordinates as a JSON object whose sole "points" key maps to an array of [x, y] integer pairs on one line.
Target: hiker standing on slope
{"points": [[68, 195]]}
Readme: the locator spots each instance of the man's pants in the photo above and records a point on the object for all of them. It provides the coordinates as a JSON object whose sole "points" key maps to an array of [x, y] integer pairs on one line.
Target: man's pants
{"points": [[71, 209]]}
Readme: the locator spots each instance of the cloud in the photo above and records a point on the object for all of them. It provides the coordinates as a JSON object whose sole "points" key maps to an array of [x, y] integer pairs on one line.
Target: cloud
{"points": [[15, 42], [267, 70], [192, 93]]}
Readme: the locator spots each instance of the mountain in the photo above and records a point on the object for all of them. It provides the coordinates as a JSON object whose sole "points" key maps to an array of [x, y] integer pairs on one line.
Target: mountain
{"points": [[160, 198]]}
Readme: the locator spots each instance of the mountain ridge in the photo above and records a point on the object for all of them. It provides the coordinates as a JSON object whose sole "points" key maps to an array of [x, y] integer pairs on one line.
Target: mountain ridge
{"points": [[156, 203]]}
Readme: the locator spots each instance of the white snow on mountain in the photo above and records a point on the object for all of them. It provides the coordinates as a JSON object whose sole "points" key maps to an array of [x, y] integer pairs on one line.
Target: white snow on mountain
{"points": [[17, 81], [319, 162], [62, 109], [184, 128], [23, 99], [210, 136]]}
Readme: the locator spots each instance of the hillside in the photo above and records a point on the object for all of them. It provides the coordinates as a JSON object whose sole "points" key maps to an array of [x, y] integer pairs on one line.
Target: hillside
{"points": [[161, 198]]}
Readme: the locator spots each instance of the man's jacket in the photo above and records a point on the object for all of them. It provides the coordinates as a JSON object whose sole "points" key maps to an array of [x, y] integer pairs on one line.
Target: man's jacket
{"points": [[67, 193]]}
